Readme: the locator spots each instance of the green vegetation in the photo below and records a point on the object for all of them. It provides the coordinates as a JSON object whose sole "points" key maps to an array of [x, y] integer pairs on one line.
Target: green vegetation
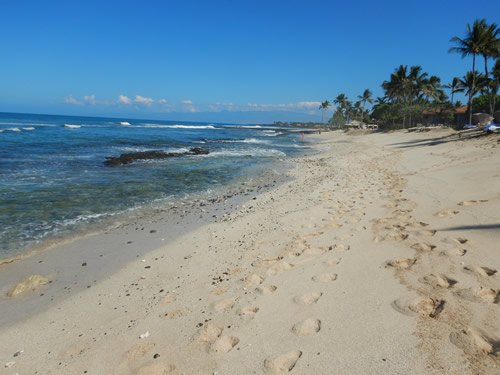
{"points": [[412, 96]]}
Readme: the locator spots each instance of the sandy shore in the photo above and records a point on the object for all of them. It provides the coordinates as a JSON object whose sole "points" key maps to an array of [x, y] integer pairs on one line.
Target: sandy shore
{"points": [[379, 257]]}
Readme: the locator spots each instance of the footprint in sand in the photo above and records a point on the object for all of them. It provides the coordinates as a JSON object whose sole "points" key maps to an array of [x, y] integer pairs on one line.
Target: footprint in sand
{"points": [[480, 294], [279, 268], [454, 252], [253, 280], [331, 226], [248, 312], [474, 341], [341, 247], [176, 313], [315, 251], [438, 280], [310, 235], [207, 334], [222, 305], [333, 262], [461, 240], [402, 263], [267, 289], [345, 236], [378, 239], [138, 351], [281, 364], [307, 327], [471, 202], [446, 213], [420, 224], [163, 367], [224, 344], [426, 233], [456, 241], [423, 247], [399, 236], [430, 307], [480, 270], [325, 277], [309, 226], [266, 262], [307, 299]]}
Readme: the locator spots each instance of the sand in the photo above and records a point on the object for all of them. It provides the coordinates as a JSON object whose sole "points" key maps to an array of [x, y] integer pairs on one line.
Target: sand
{"points": [[379, 256]]}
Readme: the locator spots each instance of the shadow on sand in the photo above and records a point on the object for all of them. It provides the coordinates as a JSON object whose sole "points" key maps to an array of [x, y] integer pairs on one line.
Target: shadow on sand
{"points": [[459, 136], [473, 227]]}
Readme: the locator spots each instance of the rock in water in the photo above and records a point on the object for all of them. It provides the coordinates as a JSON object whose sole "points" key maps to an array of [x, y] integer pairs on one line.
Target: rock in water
{"points": [[31, 282], [151, 155]]}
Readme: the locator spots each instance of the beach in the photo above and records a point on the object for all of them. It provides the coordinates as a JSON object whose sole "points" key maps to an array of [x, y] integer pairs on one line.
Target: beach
{"points": [[376, 255]]}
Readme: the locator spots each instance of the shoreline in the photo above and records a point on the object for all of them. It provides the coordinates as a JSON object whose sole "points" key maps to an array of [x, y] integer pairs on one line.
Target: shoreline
{"points": [[191, 201], [70, 252], [354, 264]]}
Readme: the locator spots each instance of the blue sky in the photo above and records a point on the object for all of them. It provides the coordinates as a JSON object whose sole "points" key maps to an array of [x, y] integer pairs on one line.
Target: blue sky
{"points": [[227, 61]]}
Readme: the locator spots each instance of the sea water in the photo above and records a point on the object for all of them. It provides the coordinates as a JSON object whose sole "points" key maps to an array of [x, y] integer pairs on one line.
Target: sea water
{"points": [[53, 181]]}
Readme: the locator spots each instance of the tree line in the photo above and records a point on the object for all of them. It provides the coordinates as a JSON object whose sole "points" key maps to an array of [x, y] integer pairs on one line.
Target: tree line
{"points": [[410, 91]]}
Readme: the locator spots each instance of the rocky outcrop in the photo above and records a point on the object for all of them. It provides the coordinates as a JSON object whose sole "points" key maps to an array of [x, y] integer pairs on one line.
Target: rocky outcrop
{"points": [[30, 283], [151, 155]]}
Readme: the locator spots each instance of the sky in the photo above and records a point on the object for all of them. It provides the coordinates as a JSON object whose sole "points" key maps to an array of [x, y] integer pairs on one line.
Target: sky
{"points": [[220, 61]]}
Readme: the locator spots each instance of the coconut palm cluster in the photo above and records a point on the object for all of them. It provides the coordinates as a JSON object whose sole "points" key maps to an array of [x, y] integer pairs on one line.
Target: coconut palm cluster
{"points": [[410, 92]]}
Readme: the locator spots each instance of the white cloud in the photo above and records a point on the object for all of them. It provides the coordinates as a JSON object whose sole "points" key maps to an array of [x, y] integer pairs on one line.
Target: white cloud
{"points": [[142, 100], [69, 99], [306, 107], [186, 101], [162, 101], [124, 99], [89, 99]]}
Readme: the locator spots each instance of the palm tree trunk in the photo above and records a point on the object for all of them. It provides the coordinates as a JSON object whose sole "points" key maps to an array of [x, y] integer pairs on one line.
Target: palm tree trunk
{"points": [[471, 91], [488, 85]]}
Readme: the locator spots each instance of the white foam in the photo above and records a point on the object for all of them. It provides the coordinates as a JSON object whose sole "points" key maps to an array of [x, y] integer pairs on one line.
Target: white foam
{"points": [[175, 126], [125, 123], [29, 128], [247, 140], [144, 149], [26, 124], [72, 126], [12, 130], [255, 152]]}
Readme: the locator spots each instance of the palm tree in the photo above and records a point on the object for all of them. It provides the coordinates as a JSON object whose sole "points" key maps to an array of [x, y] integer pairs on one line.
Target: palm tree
{"points": [[490, 48], [471, 45], [472, 83], [431, 90], [454, 86], [495, 82], [396, 88], [324, 106], [366, 97]]}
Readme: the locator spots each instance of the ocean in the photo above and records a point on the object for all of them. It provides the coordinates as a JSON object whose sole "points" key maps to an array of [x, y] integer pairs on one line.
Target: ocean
{"points": [[54, 184]]}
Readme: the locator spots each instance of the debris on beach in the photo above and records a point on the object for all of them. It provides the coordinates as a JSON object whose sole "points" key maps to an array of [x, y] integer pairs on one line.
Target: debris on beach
{"points": [[29, 283]]}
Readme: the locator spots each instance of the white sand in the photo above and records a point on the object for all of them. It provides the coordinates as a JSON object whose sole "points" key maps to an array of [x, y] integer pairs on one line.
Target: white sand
{"points": [[357, 266]]}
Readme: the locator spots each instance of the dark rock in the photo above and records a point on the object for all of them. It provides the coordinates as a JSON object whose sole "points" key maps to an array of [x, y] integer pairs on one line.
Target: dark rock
{"points": [[151, 155]]}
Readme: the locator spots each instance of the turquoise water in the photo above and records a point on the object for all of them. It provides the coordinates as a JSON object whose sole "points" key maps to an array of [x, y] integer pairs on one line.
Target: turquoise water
{"points": [[53, 181]]}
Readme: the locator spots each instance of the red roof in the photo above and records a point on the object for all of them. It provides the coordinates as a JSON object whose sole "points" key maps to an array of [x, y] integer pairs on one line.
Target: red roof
{"points": [[458, 110]]}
